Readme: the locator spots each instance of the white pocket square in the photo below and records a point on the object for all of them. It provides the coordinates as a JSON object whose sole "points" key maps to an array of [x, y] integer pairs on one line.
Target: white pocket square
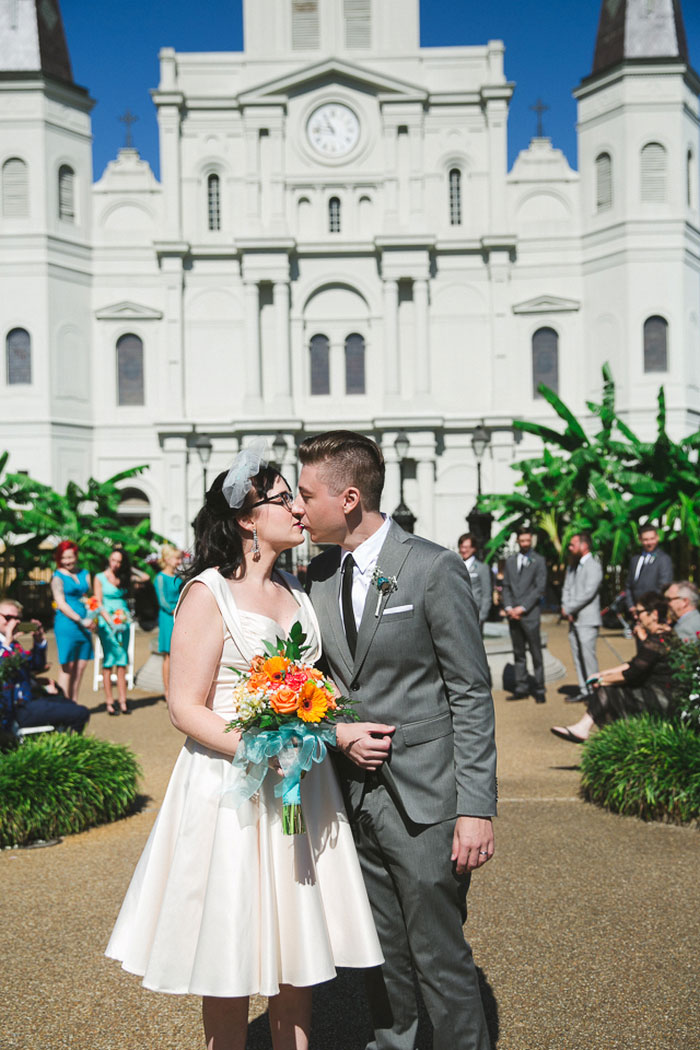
{"points": [[398, 608]]}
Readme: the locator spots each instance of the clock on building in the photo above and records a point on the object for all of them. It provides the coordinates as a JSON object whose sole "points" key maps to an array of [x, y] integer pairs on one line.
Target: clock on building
{"points": [[333, 130]]}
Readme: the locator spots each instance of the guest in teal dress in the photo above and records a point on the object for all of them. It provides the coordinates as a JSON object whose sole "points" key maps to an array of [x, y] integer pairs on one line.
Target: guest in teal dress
{"points": [[69, 587], [112, 590], [168, 585]]}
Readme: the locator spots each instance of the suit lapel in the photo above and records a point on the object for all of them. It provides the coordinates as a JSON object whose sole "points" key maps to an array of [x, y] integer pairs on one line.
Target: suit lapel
{"points": [[391, 558]]}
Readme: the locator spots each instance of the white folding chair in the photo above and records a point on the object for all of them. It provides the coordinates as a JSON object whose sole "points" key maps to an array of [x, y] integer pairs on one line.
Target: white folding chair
{"points": [[99, 656]]}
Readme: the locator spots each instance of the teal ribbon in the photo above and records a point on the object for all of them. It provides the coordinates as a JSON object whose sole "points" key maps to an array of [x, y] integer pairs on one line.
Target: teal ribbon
{"points": [[295, 746]]}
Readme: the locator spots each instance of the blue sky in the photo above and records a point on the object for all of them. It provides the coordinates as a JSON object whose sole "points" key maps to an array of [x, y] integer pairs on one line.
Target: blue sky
{"points": [[549, 49]]}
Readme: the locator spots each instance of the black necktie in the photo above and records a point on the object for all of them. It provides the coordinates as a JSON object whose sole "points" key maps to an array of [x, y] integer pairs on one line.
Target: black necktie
{"points": [[346, 598]]}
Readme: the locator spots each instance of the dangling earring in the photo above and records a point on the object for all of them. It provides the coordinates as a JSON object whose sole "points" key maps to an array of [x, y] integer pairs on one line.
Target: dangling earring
{"points": [[256, 545]]}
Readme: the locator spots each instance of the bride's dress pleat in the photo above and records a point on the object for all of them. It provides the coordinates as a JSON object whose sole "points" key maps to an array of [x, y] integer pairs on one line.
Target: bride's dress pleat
{"points": [[221, 902]]}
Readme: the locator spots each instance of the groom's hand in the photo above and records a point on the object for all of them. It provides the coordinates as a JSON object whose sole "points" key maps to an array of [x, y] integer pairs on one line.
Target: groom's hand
{"points": [[367, 744], [472, 843]]}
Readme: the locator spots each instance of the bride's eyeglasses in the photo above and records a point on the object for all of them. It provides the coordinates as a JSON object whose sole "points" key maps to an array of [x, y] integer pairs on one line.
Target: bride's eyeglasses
{"points": [[282, 499]]}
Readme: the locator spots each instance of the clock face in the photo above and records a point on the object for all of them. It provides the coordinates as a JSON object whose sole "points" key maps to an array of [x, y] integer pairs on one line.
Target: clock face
{"points": [[333, 130]]}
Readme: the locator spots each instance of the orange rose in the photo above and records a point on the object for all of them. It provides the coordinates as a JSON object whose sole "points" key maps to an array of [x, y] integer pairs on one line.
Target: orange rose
{"points": [[284, 701]]}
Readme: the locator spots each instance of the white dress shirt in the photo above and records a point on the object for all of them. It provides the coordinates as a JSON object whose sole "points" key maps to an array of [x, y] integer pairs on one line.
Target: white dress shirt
{"points": [[365, 557], [470, 562]]}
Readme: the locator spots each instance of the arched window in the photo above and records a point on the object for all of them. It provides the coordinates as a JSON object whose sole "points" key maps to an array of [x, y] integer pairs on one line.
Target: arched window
{"points": [[334, 215], [214, 202], [545, 360], [655, 344], [134, 506], [130, 386], [66, 193], [305, 25], [15, 188], [319, 348], [653, 172], [354, 364], [455, 179], [19, 357], [603, 182]]}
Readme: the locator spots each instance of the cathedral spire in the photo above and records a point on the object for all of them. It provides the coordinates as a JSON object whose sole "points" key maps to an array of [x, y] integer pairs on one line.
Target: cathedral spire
{"points": [[639, 29], [32, 39]]}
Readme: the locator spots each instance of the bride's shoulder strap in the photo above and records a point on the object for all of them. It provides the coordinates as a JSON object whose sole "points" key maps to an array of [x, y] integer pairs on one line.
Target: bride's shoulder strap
{"points": [[214, 581]]}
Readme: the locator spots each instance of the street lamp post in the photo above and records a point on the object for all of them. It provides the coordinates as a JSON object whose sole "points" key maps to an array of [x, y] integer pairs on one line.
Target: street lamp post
{"points": [[403, 515], [279, 448], [203, 446], [479, 522]]}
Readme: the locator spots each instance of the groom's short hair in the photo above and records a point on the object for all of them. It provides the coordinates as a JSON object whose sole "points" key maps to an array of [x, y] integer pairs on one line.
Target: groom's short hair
{"points": [[347, 459]]}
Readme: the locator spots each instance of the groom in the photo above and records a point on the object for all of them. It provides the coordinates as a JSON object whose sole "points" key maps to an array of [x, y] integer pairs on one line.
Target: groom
{"points": [[401, 636]]}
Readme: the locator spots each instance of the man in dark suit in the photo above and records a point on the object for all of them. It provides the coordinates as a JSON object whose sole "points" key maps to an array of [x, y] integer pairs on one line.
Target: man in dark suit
{"points": [[401, 635], [524, 582], [650, 570], [23, 702]]}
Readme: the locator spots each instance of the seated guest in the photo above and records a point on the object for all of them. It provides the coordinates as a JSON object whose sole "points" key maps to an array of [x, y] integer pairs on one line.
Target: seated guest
{"points": [[23, 703], [682, 599], [642, 685]]}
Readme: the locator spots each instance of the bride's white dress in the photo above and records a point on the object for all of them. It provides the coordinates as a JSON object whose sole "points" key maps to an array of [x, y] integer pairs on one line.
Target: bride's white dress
{"points": [[221, 902]]}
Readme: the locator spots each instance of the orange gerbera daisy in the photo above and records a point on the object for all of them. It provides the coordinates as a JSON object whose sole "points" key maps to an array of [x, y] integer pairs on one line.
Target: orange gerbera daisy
{"points": [[275, 668], [313, 703]]}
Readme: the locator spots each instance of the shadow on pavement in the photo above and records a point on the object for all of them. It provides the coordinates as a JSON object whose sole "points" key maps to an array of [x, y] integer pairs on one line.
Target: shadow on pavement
{"points": [[341, 1019], [134, 704]]}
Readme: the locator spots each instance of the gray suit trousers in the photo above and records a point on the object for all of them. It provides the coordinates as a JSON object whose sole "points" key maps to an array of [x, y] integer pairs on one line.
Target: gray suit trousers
{"points": [[587, 639], [409, 876]]}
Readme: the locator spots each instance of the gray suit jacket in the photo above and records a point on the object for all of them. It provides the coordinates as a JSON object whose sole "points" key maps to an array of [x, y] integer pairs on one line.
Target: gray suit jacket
{"points": [[580, 596], [482, 587], [688, 626], [525, 588], [420, 665], [653, 577]]}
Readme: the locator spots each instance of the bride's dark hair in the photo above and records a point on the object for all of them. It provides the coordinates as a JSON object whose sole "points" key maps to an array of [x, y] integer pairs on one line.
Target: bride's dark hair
{"points": [[217, 538]]}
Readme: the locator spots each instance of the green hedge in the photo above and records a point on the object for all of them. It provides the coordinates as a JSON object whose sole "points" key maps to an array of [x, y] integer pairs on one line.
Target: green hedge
{"points": [[644, 767], [62, 783]]}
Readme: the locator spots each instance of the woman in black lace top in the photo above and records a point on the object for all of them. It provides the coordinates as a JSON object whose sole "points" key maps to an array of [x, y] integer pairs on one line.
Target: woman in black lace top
{"points": [[642, 685]]}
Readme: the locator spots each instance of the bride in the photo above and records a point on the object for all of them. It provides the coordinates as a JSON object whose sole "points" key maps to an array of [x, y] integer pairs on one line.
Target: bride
{"points": [[222, 904]]}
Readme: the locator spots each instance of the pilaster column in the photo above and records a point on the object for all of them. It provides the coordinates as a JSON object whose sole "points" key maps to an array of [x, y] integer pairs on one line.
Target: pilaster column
{"points": [[337, 369], [253, 363], [422, 335], [425, 479], [391, 336], [497, 118], [175, 519], [173, 391], [171, 176], [282, 364]]}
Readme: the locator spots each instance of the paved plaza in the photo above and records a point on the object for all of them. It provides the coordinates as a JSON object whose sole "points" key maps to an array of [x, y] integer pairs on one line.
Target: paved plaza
{"points": [[584, 925]]}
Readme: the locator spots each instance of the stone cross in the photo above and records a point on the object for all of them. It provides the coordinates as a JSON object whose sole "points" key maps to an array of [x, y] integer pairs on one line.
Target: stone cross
{"points": [[128, 118], [539, 108]]}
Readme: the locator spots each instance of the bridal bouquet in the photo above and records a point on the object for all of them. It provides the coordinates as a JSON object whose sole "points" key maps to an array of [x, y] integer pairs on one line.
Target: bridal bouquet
{"points": [[286, 712]]}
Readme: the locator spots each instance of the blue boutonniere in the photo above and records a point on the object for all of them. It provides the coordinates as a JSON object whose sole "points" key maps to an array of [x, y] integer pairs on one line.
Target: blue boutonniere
{"points": [[384, 584]]}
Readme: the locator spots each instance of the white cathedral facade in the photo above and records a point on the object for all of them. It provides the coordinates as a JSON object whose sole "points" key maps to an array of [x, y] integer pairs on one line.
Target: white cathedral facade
{"points": [[336, 241]]}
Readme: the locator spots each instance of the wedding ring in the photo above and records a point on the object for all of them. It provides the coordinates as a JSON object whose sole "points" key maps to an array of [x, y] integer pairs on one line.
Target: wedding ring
{"points": [[483, 853]]}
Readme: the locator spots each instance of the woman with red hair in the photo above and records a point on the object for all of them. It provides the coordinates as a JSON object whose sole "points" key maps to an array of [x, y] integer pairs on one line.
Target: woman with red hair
{"points": [[69, 586]]}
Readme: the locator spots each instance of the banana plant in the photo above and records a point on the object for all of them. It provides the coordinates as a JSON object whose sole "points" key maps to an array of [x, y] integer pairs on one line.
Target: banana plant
{"points": [[607, 482]]}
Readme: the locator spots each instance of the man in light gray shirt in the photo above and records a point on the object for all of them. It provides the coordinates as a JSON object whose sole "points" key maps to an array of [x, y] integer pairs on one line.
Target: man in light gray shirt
{"points": [[682, 597], [479, 574], [580, 605]]}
